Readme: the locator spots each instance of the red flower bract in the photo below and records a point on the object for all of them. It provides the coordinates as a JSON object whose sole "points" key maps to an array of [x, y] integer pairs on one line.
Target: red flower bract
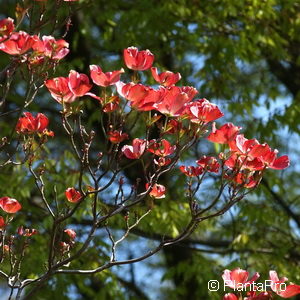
{"points": [[18, 43], [202, 111], [10, 205], [191, 171], [27, 231], [117, 136], [67, 89], [136, 150], [167, 100], [225, 134], [238, 277], [209, 163], [230, 296], [165, 78], [244, 179], [104, 79], [173, 126], [280, 288], [138, 60], [162, 148], [6, 28], [158, 191], [72, 195], [79, 84], [241, 162], [71, 233], [59, 89], [253, 155], [48, 46], [253, 295], [174, 98], [30, 124], [162, 161], [141, 97], [241, 144], [111, 105], [2, 222], [269, 157]]}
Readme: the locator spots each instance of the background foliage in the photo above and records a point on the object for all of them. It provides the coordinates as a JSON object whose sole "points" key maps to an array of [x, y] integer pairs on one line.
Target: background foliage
{"points": [[243, 55]]}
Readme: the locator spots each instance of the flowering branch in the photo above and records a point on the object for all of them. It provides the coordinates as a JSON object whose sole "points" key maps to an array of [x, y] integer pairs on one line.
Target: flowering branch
{"points": [[119, 163]]}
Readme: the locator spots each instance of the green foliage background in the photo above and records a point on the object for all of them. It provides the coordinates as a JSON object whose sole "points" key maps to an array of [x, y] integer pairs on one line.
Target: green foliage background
{"points": [[241, 54]]}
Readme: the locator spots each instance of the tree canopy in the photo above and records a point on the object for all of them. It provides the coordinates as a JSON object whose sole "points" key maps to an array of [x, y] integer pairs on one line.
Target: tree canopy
{"points": [[242, 55]]}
